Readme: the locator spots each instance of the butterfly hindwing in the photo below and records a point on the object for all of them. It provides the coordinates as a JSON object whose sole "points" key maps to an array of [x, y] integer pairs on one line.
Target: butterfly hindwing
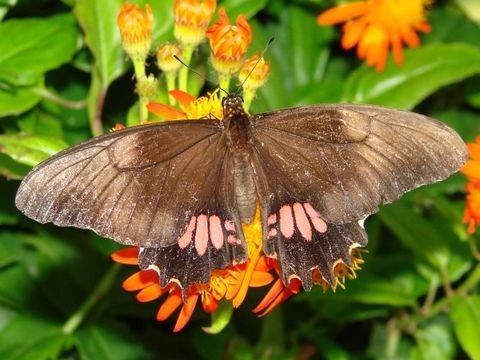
{"points": [[339, 162], [164, 186]]}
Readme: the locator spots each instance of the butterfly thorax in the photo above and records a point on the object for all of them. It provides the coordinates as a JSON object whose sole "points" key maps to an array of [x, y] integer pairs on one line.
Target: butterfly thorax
{"points": [[237, 123]]}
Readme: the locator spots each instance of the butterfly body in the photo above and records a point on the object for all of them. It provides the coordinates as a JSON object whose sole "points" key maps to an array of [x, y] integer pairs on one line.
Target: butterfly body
{"points": [[181, 190]]}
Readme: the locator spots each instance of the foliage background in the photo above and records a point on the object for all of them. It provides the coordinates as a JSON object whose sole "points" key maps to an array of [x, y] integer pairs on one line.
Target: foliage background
{"points": [[417, 296]]}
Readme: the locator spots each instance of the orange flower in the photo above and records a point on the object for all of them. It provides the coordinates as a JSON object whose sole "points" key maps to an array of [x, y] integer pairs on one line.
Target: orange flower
{"points": [[191, 20], [279, 292], [223, 284], [209, 106], [136, 30], [375, 26], [254, 72], [229, 43], [165, 58], [472, 170]]}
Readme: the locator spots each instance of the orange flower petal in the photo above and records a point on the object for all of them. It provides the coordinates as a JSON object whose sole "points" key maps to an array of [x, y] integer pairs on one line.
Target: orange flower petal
{"points": [[397, 48], [242, 291], [474, 150], [352, 32], [274, 291], [128, 256], [292, 289], [165, 111], [186, 312], [342, 13], [140, 280], [260, 278], [173, 301], [410, 37], [182, 97], [424, 27], [151, 292], [471, 169]]}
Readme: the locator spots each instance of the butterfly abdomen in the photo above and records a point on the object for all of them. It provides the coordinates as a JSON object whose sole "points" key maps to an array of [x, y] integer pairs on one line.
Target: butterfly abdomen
{"points": [[245, 193]]}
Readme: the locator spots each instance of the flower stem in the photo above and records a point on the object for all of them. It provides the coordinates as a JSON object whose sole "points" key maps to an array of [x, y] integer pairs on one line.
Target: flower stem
{"points": [[171, 77], [183, 72], [248, 96], [224, 81], [472, 280], [139, 68], [69, 104], [102, 288]]}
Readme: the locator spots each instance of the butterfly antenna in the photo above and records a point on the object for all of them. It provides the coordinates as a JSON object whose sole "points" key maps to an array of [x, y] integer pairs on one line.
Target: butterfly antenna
{"points": [[259, 59], [199, 74]]}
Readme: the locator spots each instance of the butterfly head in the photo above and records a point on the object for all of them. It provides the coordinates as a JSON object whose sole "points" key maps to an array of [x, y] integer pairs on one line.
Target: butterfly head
{"points": [[232, 107]]}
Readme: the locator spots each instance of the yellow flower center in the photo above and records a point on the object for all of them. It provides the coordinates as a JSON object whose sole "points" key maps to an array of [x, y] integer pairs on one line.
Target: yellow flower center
{"points": [[209, 106]]}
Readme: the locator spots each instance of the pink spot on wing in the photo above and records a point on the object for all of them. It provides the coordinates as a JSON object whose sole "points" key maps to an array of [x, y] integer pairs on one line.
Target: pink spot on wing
{"points": [[233, 240], [216, 231], [272, 233], [286, 221], [272, 219], [302, 221], [187, 236], [201, 235], [317, 221], [229, 225]]}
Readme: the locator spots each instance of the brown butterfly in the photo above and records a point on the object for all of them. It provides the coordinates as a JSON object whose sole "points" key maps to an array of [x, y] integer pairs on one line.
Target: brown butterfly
{"points": [[180, 190]]}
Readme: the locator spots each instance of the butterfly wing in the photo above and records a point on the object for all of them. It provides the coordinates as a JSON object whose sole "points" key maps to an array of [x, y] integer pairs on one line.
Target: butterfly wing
{"points": [[321, 169], [163, 186]]}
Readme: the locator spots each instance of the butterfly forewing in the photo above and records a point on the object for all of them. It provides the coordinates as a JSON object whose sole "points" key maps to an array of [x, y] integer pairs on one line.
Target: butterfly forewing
{"points": [[321, 169], [164, 186]]}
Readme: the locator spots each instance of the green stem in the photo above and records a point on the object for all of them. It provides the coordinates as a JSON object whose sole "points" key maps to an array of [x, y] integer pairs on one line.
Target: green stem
{"points": [[183, 72], [248, 96], [474, 247], [224, 83], [69, 104], [139, 68], [171, 78], [472, 280], [102, 288], [393, 338]]}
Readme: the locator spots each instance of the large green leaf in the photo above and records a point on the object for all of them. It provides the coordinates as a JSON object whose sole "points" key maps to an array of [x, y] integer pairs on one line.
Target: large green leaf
{"points": [[30, 47], [247, 7], [16, 100], [425, 70], [32, 338], [465, 312], [434, 341], [28, 149], [416, 233], [108, 342]]}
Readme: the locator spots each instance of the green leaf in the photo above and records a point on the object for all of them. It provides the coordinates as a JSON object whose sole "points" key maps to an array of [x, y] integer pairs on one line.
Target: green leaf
{"points": [[425, 70], [247, 7], [103, 39], [416, 233], [163, 20], [471, 8], [28, 149], [434, 341], [450, 26], [16, 100], [11, 169], [220, 318], [32, 338], [108, 342], [368, 289], [465, 313], [31, 47]]}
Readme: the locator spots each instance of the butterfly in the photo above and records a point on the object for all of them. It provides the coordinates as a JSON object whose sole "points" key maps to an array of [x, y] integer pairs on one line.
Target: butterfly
{"points": [[180, 190]]}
